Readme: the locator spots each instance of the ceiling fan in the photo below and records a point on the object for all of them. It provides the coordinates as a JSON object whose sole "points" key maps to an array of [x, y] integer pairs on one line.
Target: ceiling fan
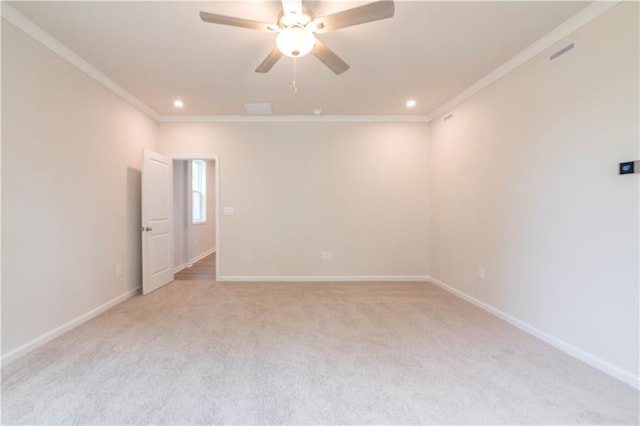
{"points": [[296, 28]]}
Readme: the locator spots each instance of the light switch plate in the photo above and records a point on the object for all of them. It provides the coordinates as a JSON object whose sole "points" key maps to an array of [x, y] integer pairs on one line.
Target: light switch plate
{"points": [[228, 211]]}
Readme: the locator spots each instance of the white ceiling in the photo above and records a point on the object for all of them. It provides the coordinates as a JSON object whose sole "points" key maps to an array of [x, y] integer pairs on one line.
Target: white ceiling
{"points": [[430, 51]]}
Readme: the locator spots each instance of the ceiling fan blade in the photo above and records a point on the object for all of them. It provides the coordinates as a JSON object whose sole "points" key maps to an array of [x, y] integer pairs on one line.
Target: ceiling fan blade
{"points": [[269, 61], [329, 58], [292, 7], [356, 16], [236, 22]]}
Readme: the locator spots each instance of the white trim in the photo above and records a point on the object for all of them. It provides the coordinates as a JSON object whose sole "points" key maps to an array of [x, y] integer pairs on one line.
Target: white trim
{"points": [[58, 331], [201, 256], [323, 278], [190, 263], [602, 365], [194, 157], [179, 268], [580, 19], [33, 30], [292, 118], [1, 198], [216, 160]]}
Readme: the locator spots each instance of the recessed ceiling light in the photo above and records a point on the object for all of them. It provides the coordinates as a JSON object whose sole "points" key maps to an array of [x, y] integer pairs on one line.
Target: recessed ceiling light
{"points": [[411, 103], [178, 103]]}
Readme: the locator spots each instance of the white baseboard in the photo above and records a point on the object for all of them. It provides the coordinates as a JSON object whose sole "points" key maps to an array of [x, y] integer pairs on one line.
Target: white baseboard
{"points": [[189, 264], [58, 331], [201, 256], [310, 278], [179, 268], [602, 365]]}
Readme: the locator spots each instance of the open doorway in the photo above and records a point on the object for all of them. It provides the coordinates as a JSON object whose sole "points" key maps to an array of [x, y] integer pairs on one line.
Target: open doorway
{"points": [[195, 212]]}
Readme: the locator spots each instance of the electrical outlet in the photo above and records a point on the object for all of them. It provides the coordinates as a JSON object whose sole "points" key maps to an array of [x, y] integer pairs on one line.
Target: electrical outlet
{"points": [[481, 273], [119, 269], [326, 256]]}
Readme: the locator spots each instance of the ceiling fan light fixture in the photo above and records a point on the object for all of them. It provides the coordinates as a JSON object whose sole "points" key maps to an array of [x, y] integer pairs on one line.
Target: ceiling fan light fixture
{"points": [[296, 27], [295, 41]]}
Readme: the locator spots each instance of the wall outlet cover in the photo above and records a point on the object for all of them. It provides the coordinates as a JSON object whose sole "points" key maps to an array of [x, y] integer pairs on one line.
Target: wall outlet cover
{"points": [[481, 274]]}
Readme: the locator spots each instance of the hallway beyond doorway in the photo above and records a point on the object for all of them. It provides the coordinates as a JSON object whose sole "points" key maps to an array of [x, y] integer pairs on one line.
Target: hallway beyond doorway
{"points": [[202, 270]]}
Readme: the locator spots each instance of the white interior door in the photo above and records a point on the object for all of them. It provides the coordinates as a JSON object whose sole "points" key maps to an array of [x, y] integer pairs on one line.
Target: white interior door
{"points": [[157, 221]]}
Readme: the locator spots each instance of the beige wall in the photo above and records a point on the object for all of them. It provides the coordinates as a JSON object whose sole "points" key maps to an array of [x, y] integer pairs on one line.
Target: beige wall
{"points": [[524, 183], [71, 153], [521, 181], [356, 189]]}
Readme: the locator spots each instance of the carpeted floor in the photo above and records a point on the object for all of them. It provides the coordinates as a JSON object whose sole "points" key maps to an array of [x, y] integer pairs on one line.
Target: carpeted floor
{"points": [[299, 353]]}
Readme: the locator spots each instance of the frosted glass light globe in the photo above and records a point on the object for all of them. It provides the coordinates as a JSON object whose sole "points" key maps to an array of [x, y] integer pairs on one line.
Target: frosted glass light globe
{"points": [[295, 41]]}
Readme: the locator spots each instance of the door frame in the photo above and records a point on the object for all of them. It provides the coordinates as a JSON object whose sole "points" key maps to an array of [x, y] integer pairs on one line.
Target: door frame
{"points": [[216, 159]]}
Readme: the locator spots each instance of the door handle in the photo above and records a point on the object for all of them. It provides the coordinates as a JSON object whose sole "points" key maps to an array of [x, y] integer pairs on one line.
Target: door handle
{"points": [[146, 229]]}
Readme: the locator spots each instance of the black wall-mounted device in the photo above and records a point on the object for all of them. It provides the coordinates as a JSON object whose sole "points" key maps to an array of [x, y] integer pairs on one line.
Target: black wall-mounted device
{"points": [[629, 167]]}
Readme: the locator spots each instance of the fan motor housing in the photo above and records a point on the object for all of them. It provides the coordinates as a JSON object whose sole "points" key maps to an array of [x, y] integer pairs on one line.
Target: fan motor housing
{"points": [[291, 19]]}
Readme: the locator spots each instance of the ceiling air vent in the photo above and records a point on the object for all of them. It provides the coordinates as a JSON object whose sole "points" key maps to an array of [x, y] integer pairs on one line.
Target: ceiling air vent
{"points": [[258, 109]]}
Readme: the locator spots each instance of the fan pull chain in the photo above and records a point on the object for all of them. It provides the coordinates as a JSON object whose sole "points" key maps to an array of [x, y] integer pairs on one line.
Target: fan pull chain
{"points": [[295, 76]]}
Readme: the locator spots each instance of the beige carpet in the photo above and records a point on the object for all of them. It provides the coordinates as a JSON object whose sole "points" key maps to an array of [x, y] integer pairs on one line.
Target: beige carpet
{"points": [[299, 353]]}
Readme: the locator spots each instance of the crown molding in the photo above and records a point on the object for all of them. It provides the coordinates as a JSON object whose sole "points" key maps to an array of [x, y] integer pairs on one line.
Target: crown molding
{"points": [[37, 33], [292, 118], [580, 19], [577, 21]]}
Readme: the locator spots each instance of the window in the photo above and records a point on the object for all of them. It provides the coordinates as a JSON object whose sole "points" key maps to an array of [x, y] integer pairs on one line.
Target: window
{"points": [[198, 191]]}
